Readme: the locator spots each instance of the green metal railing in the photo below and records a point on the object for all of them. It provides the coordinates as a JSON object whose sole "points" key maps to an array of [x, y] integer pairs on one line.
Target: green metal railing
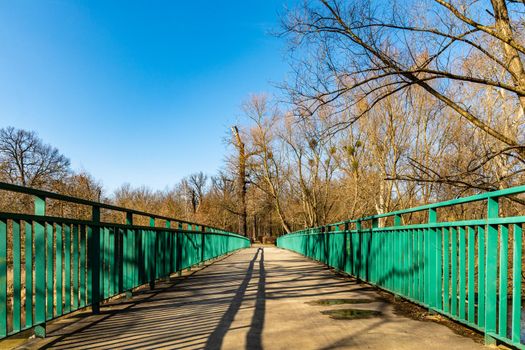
{"points": [[51, 266], [469, 270]]}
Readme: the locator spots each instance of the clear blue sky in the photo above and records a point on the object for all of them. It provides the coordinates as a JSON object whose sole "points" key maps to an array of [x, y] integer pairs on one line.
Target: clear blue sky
{"points": [[136, 91]]}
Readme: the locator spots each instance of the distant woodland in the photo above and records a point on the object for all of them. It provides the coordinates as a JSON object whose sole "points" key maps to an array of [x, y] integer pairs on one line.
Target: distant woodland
{"points": [[389, 104]]}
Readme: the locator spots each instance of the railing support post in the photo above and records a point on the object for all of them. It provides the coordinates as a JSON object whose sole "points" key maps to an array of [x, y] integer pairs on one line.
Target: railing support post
{"points": [[40, 269], [327, 244], [491, 273], [152, 256], [203, 242], [359, 249], [374, 241], [167, 254], [431, 286], [94, 259], [189, 228], [345, 246], [179, 251], [397, 220], [128, 256]]}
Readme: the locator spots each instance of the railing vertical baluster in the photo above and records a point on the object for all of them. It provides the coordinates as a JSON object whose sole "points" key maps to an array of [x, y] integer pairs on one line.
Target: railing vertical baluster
{"points": [[462, 273], [471, 274], [105, 264], [67, 268], [141, 255], [113, 261], [412, 256], [29, 274], [58, 269], [432, 286], [446, 270], [503, 280], [49, 271], [16, 276], [516, 283], [454, 272], [75, 266], [82, 266], [421, 266], [481, 276], [439, 253]]}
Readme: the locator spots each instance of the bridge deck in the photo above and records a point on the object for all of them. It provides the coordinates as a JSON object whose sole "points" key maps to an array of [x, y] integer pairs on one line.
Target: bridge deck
{"points": [[255, 298]]}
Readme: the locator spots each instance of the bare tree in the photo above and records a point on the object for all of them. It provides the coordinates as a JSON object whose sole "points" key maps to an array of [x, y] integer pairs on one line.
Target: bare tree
{"points": [[193, 188], [25, 160], [364, 50], [268, 169]]}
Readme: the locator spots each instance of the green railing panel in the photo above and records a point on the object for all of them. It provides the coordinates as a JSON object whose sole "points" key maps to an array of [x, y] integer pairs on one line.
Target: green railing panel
{"points": [[462, 269], [75, 263]]}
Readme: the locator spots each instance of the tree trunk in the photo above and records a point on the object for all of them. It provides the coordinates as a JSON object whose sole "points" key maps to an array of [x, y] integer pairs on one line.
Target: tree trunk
{"points": [[241, 183]]}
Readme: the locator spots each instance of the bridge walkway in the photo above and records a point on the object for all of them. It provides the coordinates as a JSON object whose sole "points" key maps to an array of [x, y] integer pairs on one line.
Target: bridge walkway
{"points": [[256, 298]]}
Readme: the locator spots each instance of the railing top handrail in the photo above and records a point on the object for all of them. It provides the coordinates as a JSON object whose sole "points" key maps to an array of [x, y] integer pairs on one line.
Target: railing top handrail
{"points": [[474, 198], [52, 195]]}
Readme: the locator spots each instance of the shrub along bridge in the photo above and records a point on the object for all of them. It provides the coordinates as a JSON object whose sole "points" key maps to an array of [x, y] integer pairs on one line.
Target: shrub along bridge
{"points": [[259, 297]]}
